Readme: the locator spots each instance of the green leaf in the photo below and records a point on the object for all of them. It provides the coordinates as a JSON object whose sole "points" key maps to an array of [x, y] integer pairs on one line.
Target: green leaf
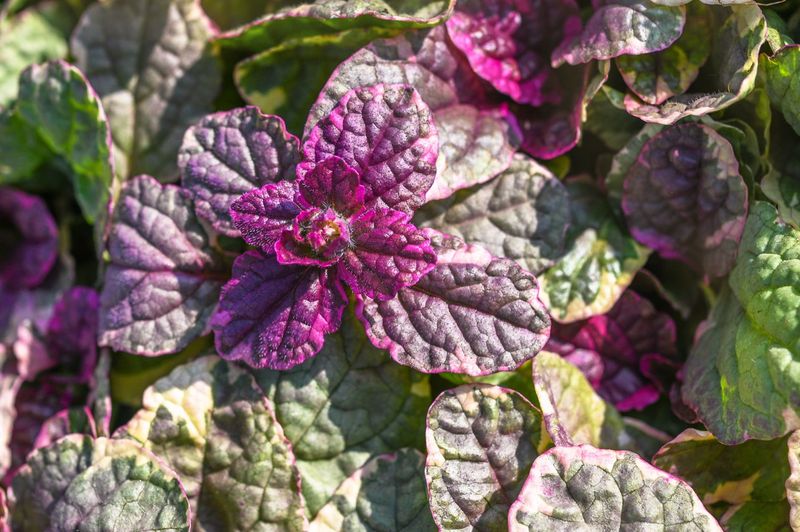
{"points": [[387, 493], [57, 102], [783, 82], [343, 406], [744, 366], [150, 62], [228, 14], [600, 262], [35, 35], [79, 483], [481, 440], [522, 214], [211, 423], [583, 488], [22, 149], [742, 485], [325, 17], [607, 119]]}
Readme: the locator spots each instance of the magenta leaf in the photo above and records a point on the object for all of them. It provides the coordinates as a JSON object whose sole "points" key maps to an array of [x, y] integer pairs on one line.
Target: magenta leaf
{"points": [[612, 349], [685, 198], [28, 238], [276, 315], [476, 138], [230, 153], [386, 133], [262, 214], [508, 43], [72, 331], [473, 313], [334, 183], [163, 280], [388, 254]]}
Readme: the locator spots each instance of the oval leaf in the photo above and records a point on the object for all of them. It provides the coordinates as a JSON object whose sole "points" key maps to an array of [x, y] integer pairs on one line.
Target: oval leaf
{"points": [[163, 77], [82, 483], [481, 441], [743, 383], [684, 198], [584, 487], [523, 214], [163, 281], [622, 27], [473, 313], [215, 428]]}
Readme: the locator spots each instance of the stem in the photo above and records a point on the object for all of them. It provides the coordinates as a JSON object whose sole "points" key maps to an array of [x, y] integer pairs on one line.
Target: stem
{"points": [[708, 293]]}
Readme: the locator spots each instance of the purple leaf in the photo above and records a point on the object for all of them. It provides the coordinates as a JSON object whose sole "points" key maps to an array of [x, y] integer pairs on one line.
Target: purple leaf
{"points": [[72, 331], [228, 154], [614, 345], [28, 237], [684, 197], [622, 27], [584, 488], [473, 313], [508, 43], [333, 183], [481, 442], [276, 315], [163, 280], [386, 133], [261, 215], [476, 138], [77, 420], [388, 253]]}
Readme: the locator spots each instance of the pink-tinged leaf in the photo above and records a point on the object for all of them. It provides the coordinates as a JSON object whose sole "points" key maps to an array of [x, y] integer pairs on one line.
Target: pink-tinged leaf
{"points": [[72, 331], [163, 280], [28, 237], [473, 313], [685, 198], [388, 253], [276, 315], [4, 519], [385, 132], [230, 153], [335, 184], [481, 442], [584, 488], [77, 420], [261, 215], [476, 137], [622, 27], [508, 43], [610, 349]]}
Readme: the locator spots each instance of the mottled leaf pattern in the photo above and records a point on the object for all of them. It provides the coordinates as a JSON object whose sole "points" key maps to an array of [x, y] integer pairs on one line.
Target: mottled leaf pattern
{"points": [[572, 488], [481, 441], [163, 279], [523, 214], [211, 423], [87, 484]]}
